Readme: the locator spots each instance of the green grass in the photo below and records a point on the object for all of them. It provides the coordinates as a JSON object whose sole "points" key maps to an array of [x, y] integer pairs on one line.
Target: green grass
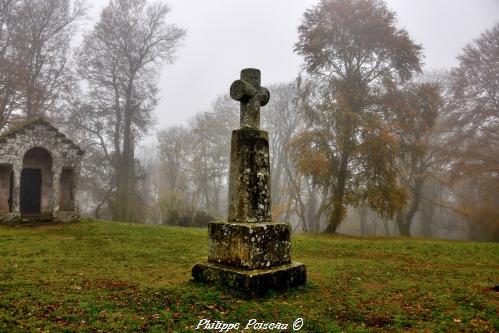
{"points": [[103, 276]]}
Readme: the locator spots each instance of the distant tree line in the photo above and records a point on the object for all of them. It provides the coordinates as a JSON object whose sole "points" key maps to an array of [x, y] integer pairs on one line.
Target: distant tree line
{"points": [[362, 130], [362, 141]]}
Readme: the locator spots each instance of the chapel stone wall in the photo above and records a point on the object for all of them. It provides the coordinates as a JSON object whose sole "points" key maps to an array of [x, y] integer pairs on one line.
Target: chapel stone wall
{"points": [[36, 136]]}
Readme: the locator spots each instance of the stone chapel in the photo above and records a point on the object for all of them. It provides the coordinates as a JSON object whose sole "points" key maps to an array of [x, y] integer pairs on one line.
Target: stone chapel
{"points": [[39, 169]]}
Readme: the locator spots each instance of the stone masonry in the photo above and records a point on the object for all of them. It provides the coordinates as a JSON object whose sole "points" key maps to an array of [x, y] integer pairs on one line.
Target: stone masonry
{"points": [[38, 147], [249, 252]]}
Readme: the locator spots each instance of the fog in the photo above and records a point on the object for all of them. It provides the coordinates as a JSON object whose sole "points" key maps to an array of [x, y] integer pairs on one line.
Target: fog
{"points": [[224, 36], [362, 143]]}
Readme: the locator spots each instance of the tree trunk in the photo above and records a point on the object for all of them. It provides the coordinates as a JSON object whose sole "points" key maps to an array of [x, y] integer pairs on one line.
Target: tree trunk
{"points": [[404, 220], [363, 221], [415, 200], [311, 209], [121, 206], [339, 211], [386, 227], [125, 186], [428, 211], [336, 217], [125, 171], [404, 228], [118, 156]]}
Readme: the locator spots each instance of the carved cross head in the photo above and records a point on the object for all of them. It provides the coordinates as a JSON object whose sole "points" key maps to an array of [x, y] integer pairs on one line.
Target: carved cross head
{"points": [[252, 96]]}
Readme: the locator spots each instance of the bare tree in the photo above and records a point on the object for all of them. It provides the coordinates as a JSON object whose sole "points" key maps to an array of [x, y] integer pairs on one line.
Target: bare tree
{"points": [[282, 121], [120, 61], [195, 163], [35, 37], [472, 138], [12, 66], [174, 149], [210, 156], [421, 105], [48, 27], [294, 194]]}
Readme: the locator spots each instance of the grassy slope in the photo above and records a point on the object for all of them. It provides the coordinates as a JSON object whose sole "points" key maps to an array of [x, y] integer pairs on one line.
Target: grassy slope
{"points": [[108, 276]]}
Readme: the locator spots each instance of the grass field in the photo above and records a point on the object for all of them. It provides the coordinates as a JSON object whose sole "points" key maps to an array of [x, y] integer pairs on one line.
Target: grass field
{"points": [[103, 276]]}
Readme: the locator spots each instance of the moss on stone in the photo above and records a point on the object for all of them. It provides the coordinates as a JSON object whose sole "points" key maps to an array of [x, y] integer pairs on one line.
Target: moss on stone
{"points": [[249, 182], [254, 282], [249, 245]]}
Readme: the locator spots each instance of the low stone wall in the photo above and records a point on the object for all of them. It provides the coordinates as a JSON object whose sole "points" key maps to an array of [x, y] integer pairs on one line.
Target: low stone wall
{"points": [[9, 218], [18, 219], [67, 216]]}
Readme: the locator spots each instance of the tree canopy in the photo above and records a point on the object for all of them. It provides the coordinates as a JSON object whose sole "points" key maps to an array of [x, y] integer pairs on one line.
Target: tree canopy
{"points": [[354, 56]]}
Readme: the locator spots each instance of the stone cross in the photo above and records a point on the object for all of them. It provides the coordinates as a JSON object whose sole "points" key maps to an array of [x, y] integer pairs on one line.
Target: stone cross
{"points": [[248, 91], [249, 251]]}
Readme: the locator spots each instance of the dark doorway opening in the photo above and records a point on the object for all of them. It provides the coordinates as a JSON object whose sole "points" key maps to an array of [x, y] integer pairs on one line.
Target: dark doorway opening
{"points": [[31, 191], [11, 193]]}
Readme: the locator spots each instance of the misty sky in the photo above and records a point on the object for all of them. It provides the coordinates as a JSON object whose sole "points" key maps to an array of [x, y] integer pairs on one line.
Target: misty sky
{"points": [[225, 36]]}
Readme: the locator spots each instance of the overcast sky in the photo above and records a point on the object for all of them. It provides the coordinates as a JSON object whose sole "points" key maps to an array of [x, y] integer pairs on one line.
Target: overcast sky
{"points": [[225, 36]]}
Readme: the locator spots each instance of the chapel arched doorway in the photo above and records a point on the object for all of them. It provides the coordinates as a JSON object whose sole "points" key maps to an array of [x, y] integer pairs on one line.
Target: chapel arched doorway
{"points": [[36, 182]]}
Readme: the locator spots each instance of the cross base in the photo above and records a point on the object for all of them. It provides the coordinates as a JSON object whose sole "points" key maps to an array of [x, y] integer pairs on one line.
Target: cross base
{"points": [[249, 245], [252, 282]]}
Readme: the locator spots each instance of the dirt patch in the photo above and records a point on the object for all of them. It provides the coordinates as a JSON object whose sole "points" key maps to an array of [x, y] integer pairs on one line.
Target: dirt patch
{"points": [[374, 286], [378, 320], [490, 290], [110, 284]]}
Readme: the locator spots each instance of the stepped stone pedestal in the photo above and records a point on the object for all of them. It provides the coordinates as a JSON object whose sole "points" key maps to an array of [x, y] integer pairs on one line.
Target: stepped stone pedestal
{"points": [[249, 252]]}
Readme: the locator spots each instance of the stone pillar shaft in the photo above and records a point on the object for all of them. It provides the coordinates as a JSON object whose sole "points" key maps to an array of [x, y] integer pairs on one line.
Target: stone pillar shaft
{"points": [[16, 198], [56, 177], [249, 180]]}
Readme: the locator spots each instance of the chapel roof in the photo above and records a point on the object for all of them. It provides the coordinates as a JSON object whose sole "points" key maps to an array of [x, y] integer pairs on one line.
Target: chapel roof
{"points": [[22, 126]]}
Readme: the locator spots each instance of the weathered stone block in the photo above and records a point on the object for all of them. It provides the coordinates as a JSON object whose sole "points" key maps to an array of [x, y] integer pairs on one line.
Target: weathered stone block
{"points": [[249, 182], [249, 245], [9, 218], [254, 281], [67, 216]]}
